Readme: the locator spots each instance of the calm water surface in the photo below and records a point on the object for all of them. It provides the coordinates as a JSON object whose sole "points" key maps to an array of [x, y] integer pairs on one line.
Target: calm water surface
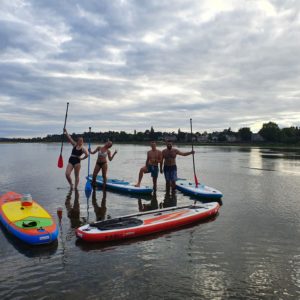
{"points": [[251, 250]]}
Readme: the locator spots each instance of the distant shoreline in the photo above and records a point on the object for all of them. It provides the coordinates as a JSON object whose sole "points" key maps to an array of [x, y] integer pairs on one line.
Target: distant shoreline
{"points": [[159, 143]]}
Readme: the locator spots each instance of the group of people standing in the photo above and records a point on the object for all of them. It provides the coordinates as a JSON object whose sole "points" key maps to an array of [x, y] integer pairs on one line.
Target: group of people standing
{"points": [[163, 161]]}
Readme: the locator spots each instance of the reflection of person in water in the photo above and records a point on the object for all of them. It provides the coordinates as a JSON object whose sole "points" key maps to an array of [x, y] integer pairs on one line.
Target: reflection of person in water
{"points": [[100, 211], [73, 212], [169, 200], [145, 207]]}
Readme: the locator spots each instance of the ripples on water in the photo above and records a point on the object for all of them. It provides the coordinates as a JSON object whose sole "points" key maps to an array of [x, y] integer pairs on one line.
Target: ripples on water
{"points": [[249, 251]]}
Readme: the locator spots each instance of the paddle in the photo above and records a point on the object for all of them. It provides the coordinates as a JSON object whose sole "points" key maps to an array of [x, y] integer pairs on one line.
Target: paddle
{"points": [[195, 177], [88, 186], [60, 162], [156, 212]]}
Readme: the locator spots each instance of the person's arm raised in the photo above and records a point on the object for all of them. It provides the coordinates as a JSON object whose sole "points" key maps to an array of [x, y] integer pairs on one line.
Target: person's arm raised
{"points": [[110, 157], [71, 141]]}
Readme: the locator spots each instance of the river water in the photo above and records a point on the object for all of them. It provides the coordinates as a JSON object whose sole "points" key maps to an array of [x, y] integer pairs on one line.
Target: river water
{"points": [[251, 250]]}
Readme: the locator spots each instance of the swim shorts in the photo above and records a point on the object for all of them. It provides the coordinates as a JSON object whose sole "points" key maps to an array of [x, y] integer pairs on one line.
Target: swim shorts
{"points": [[170, 173], [153, 170]]}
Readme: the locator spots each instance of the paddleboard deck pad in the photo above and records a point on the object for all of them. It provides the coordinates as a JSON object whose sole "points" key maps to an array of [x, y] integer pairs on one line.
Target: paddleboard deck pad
{"points": [[146, 223], [31, 224], [121, 185], [201, 190]]}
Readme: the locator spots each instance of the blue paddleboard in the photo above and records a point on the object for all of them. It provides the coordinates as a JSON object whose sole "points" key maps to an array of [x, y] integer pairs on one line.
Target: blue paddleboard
{"points": [[122, 186]]}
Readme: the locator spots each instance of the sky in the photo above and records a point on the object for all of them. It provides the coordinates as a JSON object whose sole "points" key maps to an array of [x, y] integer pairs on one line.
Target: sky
{"points": [[129, 65]]}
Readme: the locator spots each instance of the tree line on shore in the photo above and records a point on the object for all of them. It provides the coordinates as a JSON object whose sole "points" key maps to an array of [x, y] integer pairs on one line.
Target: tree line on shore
{"points": [[269, 133]]}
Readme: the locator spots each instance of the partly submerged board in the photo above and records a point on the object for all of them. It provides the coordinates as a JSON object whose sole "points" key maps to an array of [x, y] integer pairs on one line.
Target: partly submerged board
{"points": [[146, 223], [31, 224], [122, 186], [201, 190]]}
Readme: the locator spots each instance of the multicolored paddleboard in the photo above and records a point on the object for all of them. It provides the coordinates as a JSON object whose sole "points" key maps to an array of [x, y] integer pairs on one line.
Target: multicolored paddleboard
{"points": [[121, 186], [201, 190], [27, 220], [146, 223]]}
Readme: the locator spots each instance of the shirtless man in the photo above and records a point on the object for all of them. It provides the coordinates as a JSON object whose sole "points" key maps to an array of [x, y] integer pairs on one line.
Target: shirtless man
{"points": [[170, 169], [154, 158]]}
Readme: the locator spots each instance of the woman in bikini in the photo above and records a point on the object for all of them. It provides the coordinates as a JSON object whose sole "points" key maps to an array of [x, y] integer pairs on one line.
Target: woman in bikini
{"points": [[101, 163], [75, 159]]}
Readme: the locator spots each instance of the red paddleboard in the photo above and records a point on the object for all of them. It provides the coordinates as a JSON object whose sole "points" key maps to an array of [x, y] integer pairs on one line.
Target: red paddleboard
{"points": [[146, 223]]}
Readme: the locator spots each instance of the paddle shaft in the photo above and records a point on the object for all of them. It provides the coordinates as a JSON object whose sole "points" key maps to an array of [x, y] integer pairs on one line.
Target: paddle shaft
{"points": [[89, 159], [62, 139], [193, 151]]}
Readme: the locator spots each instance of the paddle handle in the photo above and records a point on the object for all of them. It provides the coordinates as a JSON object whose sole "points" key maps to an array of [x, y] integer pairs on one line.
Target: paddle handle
{"points": [[62, 140]]}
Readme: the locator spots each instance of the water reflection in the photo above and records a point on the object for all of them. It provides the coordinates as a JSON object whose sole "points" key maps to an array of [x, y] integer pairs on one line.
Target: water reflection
{"points": [[73, 211], [100, 211], [45, 250], [280, 153], [170, 199], [149, 206]]}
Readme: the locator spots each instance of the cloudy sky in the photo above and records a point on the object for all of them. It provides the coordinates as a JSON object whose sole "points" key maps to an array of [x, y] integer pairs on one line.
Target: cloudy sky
{"points": [[126, 65]]}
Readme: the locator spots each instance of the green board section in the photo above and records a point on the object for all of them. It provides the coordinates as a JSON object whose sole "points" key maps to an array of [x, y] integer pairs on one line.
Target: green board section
{"points": [[34, 222]]}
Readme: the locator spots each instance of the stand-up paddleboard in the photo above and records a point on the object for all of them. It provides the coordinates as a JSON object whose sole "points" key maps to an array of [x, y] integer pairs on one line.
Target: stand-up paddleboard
{"points": [[26, 219], [146, 223], [122, 186], [201, 190]]}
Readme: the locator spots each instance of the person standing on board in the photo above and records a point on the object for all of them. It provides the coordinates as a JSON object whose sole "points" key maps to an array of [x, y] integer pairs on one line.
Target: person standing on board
{"points": [[101, 163], [154, 158], [75, 159], [169, 162]]}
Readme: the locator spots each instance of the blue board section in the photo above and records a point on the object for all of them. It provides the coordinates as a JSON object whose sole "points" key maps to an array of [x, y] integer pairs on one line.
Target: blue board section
{"points": [[121, 186], [201, 190]]}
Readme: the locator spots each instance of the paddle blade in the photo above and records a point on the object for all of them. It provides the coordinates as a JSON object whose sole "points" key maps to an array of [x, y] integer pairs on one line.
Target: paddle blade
{"points": [[196, 181], [88, 189], [60, 162]]}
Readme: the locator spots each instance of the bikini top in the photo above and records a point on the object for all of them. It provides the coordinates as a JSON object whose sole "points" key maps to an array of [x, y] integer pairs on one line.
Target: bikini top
{"points": [[102, 154]]}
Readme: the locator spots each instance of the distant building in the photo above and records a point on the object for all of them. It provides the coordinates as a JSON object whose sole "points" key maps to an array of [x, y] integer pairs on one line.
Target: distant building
{"points": [[231, 138], [171, 138], [256, 137], [202, 138]]}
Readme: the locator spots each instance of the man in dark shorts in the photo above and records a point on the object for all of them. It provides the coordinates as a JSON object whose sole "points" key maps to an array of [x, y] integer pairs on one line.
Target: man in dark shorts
{"points": [[169, 160], [154, 158]]}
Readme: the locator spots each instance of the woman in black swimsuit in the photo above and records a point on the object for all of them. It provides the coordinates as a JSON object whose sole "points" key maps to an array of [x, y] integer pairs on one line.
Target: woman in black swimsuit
{"points": [[101, 163], [75, 158]]}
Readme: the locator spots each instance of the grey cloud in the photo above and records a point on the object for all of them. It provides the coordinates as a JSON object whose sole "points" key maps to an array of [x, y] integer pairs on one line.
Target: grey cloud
{"points": [[127, 65]]}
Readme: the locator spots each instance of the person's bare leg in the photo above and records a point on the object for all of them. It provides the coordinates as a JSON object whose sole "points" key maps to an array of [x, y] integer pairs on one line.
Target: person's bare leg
{"points": [[69, 170], [95, 173], [141, 173], [173, 184], [77, 171], [154, 183], [104, 175], [168, 187]]}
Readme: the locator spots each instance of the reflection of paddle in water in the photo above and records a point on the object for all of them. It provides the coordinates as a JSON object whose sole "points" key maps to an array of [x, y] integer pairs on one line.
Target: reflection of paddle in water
{"points": [[169, 200], [73, 212], [100, 211], [146, 207]]}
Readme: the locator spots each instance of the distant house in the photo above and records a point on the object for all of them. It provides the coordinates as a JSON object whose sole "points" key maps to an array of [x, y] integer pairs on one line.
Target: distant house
{"points": [[171, 138], [214, 137], [256, 137], [202, 138], [231, 138]]}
